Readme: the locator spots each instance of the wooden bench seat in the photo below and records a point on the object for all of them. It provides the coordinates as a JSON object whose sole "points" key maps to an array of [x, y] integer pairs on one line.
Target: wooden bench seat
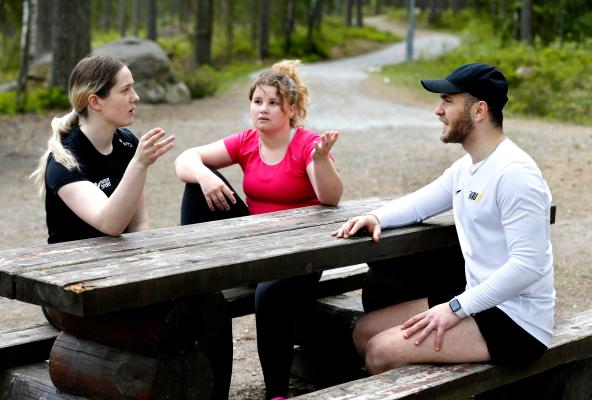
{"points": [[30, 381], [241, 300], [26, 345], [572, 344]]}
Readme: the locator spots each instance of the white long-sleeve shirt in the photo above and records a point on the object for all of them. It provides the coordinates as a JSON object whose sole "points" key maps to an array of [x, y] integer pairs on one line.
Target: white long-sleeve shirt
{"points": [[501, 209]]}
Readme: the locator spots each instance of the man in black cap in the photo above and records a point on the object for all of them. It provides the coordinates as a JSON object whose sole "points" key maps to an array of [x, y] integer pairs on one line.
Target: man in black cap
{"points": [[501, 206]]}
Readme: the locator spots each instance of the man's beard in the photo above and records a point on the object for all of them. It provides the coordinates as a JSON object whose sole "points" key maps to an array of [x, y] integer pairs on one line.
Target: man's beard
{"points": [[459, 130]]}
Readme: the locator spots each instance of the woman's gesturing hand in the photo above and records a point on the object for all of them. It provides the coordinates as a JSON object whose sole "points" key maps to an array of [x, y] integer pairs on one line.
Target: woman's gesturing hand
{"points": [[150, 147], [353, 225], [323, 146], [216, 192]]}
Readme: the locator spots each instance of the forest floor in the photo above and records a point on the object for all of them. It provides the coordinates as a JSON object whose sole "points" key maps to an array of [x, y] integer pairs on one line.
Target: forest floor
{"points": [[389, 145]]}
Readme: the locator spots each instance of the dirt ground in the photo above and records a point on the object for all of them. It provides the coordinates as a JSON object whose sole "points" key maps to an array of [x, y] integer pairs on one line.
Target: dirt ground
{"points": [[389, 144]]}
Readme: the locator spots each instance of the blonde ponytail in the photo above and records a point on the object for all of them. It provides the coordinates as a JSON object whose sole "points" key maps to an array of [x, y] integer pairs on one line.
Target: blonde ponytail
{"points": [[285, 77], [60, 127], [92, 75]]}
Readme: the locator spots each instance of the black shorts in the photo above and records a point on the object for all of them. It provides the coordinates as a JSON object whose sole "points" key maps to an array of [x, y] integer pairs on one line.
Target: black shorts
{"points": [[507, 342], [438, 272], [439, 275]]}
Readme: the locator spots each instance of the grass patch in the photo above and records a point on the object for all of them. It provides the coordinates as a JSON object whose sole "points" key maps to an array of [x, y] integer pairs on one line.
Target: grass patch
{"points": [[551, 82], [35, 100]]}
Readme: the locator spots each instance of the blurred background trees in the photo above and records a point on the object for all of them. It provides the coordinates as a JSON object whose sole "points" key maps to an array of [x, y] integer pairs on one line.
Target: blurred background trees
{"points": [[209, 42]]}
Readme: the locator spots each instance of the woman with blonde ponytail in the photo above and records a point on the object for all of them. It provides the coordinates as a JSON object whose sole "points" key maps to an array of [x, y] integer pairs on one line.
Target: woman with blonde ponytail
{"points": [[94, 170], [285, 166]]}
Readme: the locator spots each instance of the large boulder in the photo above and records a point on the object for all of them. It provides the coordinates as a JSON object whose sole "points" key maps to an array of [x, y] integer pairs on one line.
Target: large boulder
{"points": [[40, 68], [151, 68]]}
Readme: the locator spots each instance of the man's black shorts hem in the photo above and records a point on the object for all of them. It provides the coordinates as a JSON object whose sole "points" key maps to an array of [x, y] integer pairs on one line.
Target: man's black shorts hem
{"points": [[507, 342]]}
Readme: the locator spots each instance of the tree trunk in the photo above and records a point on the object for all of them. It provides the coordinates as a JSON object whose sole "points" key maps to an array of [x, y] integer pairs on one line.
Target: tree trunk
{"points": [[263, 48], [526, 21], [136, 18], [348, 12], [229, 16], [71, 41], [21, 88], [106, 15], [288, 26], [433, 16], [314, 16], [152, 32], [41, 26], [377, 6], [337, 7], [253, 6], [186, 8], [319, 18], [410, 30], [456, 5], [203, 35], [359, 18], [122, 18]]}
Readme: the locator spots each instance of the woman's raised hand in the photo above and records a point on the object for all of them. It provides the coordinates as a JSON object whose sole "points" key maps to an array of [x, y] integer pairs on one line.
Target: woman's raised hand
{"points": [[151, 147], [323, 146]]}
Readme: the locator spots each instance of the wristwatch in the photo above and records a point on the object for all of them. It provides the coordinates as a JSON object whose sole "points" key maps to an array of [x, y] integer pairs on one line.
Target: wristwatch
{"points": [[457, 308]]}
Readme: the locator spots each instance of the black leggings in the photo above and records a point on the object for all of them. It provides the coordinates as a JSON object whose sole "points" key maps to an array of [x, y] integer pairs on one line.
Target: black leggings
{"points": [[278, 303], [194, 209]]}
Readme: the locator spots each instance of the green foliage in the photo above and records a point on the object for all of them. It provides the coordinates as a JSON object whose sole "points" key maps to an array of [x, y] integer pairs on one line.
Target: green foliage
{"points": [[8, 103], [176, 47], [565, 20], [9, 61], [207, 80], [552, 81], [36, 100], [454, 20], [333, 34], [228, 62], [201, 82], [100, 38]]}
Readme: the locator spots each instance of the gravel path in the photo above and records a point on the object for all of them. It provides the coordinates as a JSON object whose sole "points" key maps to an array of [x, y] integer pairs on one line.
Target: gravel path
{"points": [[389, 144]]}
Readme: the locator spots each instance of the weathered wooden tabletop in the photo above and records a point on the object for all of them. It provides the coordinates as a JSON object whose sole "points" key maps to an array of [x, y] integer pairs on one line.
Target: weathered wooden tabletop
{"points": [[107, 274]]}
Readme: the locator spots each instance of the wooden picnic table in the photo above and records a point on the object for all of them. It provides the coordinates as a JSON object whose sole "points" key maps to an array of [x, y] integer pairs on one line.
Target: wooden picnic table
{"points": [[118, 297], [107, 274]]}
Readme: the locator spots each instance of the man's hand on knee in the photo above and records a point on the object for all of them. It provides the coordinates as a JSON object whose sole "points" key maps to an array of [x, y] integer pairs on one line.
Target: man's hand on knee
{"points": [[438, 318]]}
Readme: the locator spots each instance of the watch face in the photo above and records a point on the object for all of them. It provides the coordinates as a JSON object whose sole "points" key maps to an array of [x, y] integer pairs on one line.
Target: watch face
{"points": [[454, 305]]}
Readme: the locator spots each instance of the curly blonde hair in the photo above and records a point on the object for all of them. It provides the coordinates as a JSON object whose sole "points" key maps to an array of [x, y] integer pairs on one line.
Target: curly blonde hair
{"points": [[285, 77]]}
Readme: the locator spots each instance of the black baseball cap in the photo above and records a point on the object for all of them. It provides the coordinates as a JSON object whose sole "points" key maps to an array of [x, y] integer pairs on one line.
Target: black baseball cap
{"points": [[480, 80]]}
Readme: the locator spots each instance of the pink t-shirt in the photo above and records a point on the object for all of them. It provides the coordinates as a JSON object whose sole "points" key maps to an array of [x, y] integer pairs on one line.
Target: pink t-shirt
{"points": [[276, 187]]}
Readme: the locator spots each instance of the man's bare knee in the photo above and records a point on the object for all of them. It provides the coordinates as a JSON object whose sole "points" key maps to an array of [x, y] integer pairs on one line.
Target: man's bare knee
{"points": [[378, 358], [361, 335]]}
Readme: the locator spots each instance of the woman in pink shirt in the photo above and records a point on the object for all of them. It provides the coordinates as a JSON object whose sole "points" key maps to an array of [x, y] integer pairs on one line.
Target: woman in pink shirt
{"points": [[285, 166]]}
